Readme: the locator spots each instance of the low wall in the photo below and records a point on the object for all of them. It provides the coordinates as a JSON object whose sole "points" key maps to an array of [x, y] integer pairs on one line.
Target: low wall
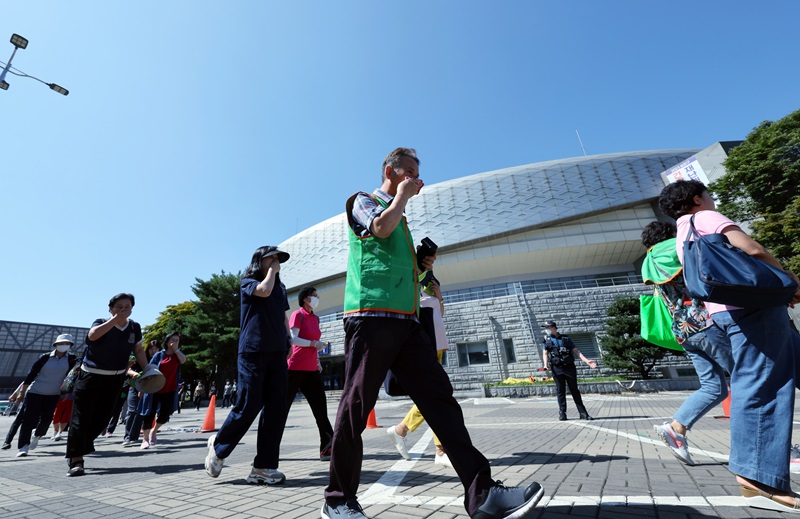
{"points": [[632, 386]]}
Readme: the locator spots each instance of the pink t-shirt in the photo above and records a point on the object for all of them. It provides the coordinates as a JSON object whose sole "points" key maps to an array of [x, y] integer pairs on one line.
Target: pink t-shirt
{"points": [[705, 222], [304, 358]]}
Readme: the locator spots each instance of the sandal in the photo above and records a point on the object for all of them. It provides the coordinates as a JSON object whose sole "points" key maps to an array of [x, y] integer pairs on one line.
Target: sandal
{"points": [[75, 469], [757, 498]]}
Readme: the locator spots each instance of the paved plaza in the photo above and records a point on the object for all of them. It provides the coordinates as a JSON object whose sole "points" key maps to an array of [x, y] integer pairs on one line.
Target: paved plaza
{"points": [[612, 467]]}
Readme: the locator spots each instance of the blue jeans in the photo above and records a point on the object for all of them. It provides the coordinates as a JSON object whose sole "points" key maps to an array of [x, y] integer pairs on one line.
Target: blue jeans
{"points": [[763, 385], [710, 352]]}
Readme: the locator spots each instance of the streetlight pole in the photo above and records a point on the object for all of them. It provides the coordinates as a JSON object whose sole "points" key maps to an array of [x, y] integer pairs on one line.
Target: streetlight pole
{"points": [[21, 43]]}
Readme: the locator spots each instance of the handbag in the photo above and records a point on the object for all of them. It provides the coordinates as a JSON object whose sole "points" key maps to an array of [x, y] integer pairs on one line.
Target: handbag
{"points": [[68, 385], [716, 271], [657, 322]]}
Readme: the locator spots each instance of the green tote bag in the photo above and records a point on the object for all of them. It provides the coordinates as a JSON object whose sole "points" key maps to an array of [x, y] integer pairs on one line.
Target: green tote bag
{"points": [[657, 322]]}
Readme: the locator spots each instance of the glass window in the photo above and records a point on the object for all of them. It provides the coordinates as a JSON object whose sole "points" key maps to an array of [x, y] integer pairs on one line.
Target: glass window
{"points": [[471, 353], [508, 345]]}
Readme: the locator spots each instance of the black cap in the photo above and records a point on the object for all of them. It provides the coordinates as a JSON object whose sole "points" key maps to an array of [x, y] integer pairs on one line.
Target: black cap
{"points": [[549, 323], [282, 256]]}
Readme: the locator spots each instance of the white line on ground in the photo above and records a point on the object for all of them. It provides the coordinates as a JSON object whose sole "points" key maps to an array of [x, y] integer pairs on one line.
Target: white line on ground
{"points": [[472, 424], [643, 439], [693, 501], [382, 491], [569, 501], [491, 401]]}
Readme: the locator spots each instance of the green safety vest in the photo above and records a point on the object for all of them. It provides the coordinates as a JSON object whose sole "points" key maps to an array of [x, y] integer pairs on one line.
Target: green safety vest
{"points": [[381, 272]]}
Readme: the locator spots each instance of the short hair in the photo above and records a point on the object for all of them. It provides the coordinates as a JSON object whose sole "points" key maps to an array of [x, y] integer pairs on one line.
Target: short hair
{"points": [[677, 199], [393, 159], [307, 291], [113, 300], [656, 232]]}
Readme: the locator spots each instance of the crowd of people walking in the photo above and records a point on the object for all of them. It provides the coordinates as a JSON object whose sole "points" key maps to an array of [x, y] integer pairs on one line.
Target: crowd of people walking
{"points": [[393, 325]]}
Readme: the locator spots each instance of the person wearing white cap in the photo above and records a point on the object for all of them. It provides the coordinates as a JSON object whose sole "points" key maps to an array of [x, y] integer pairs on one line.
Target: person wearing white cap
{"points": [[41, 390]]}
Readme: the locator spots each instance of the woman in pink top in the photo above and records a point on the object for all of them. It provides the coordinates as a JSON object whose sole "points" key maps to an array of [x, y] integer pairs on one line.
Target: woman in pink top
{"points": [[766, 353], [304, 366]]}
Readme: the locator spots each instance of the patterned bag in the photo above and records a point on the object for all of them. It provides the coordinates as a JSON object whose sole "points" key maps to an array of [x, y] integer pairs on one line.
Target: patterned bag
{"points": [[68, 386]]}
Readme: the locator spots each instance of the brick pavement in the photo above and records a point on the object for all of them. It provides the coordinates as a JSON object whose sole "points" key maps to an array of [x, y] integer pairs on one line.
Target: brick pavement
{"points": [[613, 467]]}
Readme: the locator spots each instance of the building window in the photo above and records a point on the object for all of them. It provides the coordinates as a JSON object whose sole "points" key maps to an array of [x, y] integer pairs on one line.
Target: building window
{"points": [[508, 345], [586, 344], [472, 353]]}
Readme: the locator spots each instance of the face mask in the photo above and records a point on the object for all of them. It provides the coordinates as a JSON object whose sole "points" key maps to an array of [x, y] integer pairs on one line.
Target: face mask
{"points": [[313, 302], [61, 348]]}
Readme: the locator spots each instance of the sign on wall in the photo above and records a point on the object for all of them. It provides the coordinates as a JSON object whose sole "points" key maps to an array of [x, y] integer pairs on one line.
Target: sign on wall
{"points": [[689, 169]]}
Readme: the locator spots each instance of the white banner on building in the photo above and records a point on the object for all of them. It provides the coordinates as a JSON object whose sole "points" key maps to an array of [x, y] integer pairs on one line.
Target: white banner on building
{"points": [[689, 169]]}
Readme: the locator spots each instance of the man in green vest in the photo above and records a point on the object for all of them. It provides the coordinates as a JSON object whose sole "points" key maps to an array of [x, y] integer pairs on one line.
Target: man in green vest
{"points": [[382, 332]]}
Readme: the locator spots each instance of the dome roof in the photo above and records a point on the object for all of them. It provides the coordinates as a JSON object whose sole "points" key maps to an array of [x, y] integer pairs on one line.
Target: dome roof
{"points": [[482, 207]]}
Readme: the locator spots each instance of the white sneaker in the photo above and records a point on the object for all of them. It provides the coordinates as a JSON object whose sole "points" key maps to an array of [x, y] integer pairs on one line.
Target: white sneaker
{"points": [[213, 463], [266, 477], [34, 442], [23, 452], [794, 459], [399, 442], [677, 442], [442, 459]]}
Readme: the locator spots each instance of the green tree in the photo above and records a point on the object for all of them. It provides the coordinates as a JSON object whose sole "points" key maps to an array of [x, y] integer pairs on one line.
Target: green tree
{"points": [[176, 318], [762, 187], [623, 347], [214, 325]]}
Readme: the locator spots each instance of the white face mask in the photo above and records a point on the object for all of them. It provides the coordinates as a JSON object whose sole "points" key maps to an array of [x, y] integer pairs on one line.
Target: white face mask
{"points": [[313, 302], [62, 348]]}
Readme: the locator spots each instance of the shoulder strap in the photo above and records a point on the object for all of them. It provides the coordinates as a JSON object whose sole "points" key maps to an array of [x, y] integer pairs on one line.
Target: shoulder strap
{"points": [[37, 366], [692, 230]]}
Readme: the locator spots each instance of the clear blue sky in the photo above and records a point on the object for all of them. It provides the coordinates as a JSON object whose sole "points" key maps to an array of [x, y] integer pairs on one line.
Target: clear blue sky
{"points": [[196, 131]]}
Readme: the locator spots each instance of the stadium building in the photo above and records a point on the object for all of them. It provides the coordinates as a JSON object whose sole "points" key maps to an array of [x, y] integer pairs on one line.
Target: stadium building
{"points": [[552, 240], [22, 343]]}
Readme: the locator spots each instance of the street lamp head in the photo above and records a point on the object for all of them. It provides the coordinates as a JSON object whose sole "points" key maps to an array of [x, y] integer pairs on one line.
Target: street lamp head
{"points": [[4, 85], [61, 90], [18, 41]]}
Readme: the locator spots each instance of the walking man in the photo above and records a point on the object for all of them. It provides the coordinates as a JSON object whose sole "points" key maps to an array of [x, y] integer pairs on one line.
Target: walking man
{"points": [[559, 358], [382, 332]]}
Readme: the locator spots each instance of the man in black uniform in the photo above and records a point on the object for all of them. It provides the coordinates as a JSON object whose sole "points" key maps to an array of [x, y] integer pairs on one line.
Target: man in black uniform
{"points": [[560, 353]]}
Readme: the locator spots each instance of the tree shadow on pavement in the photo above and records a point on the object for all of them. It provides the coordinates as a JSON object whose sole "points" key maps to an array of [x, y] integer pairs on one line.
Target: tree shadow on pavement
{"points": [[152, 469], [547, 458]]}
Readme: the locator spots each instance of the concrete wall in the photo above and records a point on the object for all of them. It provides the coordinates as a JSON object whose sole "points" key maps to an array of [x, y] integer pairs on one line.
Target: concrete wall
{"points": [[517, 318]]}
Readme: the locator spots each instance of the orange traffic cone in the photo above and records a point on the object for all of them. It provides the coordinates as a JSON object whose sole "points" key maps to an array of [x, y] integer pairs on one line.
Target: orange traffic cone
{"points": [[209, 422], [726, 404], [371, 422]]}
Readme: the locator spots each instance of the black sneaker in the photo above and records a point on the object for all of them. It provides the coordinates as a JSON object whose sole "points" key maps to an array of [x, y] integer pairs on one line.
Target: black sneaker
{"points": [[347, 510], [585, 416], [75, 469], [6, 446], [509, 502], [562, 416]]}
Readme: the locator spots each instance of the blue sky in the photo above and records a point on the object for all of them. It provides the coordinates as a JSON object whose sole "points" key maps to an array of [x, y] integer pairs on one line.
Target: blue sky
{"points": [[196, 131]]}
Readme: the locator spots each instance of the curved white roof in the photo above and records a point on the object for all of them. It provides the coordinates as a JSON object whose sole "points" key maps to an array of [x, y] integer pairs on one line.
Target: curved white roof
{"points": [[481, 208]]}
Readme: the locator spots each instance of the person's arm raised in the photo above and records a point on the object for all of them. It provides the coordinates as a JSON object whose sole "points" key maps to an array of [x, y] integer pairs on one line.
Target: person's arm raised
{"points": [[389, 219]]}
